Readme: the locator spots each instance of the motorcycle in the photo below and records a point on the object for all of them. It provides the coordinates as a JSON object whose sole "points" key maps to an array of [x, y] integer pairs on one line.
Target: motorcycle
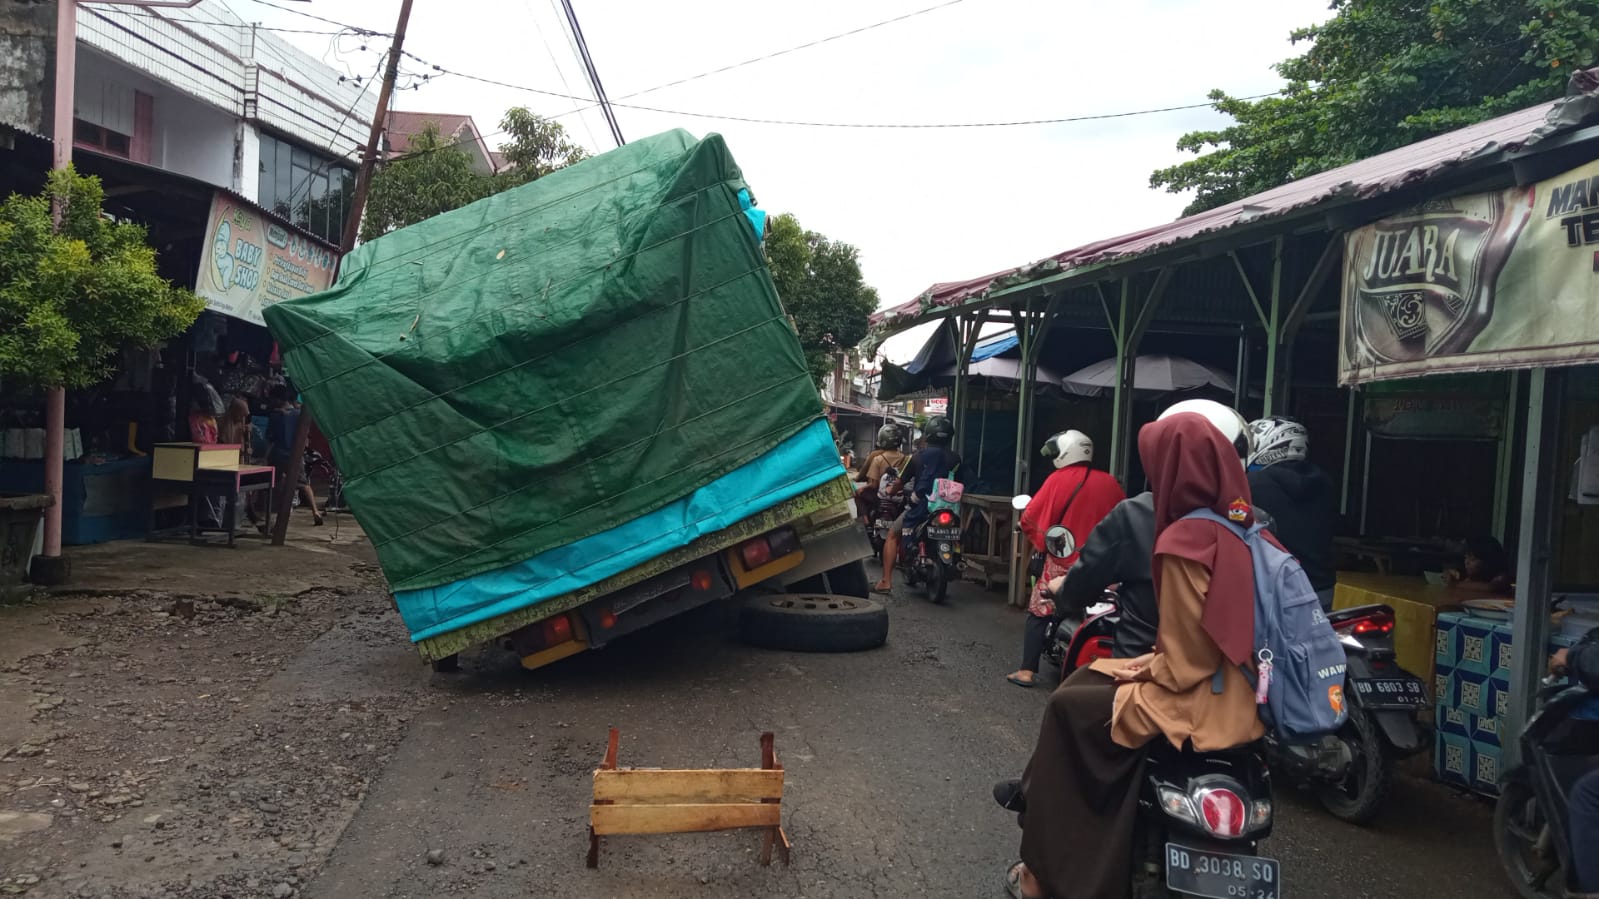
{"points": [[1201, 816], [931, 558], [1351, 770], [1531, 828], [878, 512]]}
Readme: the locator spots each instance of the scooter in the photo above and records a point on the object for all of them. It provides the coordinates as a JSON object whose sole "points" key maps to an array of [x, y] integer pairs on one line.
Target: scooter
{"points": [[1351, 770], [1201, 817], [931, 558], [1531, 828]]}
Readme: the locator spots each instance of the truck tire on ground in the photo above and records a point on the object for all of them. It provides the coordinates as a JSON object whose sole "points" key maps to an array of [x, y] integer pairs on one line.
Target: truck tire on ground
{"points": [[813, 623], [845, 580]]}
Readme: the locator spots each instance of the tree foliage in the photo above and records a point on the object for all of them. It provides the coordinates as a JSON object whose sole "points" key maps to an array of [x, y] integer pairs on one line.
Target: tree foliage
{"points": [[1381, 74], [537, 147], [436, 174], [433, 176], [820, 283], [70, 300]]}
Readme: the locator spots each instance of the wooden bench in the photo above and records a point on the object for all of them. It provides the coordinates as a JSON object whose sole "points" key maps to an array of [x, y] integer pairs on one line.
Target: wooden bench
{"points": [[692, 800]]}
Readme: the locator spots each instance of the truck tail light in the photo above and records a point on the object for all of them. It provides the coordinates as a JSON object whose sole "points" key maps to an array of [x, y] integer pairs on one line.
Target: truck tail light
{"points": [[557, 630], [700, 580], [765, 548]]}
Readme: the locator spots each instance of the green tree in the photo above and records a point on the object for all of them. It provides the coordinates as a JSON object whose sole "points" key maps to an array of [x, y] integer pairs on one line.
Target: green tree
{"points": [[433, 176], [71, 299], [820, 283], [537, 147], [1380, 74]]}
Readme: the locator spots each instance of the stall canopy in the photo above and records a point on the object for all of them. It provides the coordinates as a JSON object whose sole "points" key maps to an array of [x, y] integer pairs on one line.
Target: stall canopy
{"points": [[1154, 374], [995, 358]]}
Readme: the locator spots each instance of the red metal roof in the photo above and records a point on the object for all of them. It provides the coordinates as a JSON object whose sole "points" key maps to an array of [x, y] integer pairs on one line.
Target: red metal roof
{"points": [[1367, 178], [402, 126]]}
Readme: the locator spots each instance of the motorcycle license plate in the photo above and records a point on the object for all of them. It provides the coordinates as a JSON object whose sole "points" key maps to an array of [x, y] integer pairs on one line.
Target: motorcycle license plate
{"points": [[1392, 692], [1220, 875], [944, 533]]}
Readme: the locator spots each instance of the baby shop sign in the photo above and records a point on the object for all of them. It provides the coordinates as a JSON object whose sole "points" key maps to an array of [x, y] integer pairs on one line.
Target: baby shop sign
{"points": [[251, 262]]}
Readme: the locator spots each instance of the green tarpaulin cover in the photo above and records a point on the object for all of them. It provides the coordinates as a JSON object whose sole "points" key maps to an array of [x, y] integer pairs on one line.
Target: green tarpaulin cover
{"points": [[550, 362]]}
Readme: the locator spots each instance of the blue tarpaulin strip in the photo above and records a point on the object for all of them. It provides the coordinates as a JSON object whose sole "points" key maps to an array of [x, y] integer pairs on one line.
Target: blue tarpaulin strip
{"points": [[803, 462]]}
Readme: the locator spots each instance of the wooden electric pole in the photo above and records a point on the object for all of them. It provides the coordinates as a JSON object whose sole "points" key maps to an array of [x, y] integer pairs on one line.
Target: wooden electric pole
{"points": [[352, 227]]}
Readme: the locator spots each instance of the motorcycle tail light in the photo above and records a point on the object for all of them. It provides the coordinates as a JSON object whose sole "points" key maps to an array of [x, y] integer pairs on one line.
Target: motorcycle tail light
{"points": [[945, 518], [1223, 812], [1380, 623]]}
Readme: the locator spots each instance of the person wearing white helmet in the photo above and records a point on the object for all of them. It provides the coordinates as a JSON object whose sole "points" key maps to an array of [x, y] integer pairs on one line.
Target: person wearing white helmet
{"points": [[1298, 495], [1075, 495]]}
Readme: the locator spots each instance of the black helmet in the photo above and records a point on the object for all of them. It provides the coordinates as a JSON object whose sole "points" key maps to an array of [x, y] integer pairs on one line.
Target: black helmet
{"points": [[939, 431], [889, 436]]}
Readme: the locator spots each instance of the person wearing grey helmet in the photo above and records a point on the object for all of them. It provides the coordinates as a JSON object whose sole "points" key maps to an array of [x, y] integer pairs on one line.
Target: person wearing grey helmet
{"points": [[1299, 496]]}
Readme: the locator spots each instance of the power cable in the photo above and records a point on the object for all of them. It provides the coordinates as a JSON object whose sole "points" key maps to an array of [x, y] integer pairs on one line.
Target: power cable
{"points": [[806, 46], [196, 20], [593, 73], [819, 124], [560, 70], [324, 19]]}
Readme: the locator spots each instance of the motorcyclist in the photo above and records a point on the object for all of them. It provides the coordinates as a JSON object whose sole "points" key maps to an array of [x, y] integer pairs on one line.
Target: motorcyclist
{"points": [[927, 465], [1076, 496], [876, 468], [1582, 662], [1118, 551], [1299, 496]]}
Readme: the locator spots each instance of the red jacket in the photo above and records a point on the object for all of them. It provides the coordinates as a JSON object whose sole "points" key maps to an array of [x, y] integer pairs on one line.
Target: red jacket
{"points": [[1099, 494]]}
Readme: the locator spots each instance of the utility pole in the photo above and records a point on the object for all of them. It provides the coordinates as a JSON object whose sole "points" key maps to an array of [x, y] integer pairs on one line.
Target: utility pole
{"points": [[352, 227]]}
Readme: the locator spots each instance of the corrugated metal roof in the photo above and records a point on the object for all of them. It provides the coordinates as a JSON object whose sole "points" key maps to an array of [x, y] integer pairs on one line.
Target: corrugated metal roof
{"points": [[1365, 179]]}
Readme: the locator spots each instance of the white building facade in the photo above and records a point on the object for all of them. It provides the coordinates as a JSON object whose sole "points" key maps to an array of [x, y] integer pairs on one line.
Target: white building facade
{"points": [[201, 92]]}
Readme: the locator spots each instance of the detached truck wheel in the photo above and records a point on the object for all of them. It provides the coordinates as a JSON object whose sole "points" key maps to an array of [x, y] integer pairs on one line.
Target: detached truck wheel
{"points": [[813, 623]]}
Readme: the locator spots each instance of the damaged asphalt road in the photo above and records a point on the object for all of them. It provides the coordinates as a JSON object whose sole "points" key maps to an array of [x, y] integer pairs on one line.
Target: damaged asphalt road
{"points": [[321, 760]]}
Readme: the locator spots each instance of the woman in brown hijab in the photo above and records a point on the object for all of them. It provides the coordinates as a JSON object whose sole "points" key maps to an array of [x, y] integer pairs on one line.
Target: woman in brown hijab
{"points": [[1081, 786]]}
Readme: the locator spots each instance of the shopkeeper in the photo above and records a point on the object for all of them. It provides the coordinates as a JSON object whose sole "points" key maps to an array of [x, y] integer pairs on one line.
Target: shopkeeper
{"points": [[1484, 566]]}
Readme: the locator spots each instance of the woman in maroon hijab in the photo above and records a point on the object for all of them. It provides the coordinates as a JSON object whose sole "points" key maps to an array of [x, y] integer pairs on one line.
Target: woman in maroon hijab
{"points": [[1081, 786]]}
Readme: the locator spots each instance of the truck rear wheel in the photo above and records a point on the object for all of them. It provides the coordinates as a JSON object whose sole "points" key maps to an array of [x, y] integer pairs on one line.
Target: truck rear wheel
{"points": [[813, 622]]}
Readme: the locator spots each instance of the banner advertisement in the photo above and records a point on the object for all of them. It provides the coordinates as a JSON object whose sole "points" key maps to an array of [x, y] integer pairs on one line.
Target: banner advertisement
{"points": [[1476, 283], [250, 261]]}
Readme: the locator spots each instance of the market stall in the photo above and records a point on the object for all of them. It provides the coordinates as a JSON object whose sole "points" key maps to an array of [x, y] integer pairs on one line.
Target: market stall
{"points": [[1497, 281]]}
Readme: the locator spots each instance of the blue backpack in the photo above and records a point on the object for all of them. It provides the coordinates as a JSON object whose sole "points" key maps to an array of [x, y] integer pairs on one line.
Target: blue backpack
{"points": [[1299, 676]]}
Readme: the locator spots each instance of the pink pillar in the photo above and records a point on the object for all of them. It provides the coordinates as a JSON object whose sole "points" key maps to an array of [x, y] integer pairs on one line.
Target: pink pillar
{"points": [[55, 408]]}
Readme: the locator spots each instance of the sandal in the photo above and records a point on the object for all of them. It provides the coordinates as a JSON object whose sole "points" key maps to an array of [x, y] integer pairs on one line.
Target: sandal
{"points": [[880, 590], [1013, 882], [1022, 683]]}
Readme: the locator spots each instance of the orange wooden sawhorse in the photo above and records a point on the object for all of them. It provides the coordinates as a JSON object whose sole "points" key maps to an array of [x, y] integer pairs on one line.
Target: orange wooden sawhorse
{"points": [[688, 800]]}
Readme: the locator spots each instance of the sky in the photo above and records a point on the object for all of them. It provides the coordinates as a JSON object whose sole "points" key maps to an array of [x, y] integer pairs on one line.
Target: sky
{"points": [[922, 205]]}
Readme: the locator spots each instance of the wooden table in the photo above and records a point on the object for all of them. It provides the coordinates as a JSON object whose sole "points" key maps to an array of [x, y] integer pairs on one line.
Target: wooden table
{"points": [[989, 538], [1416, 605], [198, 470]]}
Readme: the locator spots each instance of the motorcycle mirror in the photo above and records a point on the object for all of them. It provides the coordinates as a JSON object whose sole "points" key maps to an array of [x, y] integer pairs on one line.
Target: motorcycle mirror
{"points": [[1020, 502], [1060, 541]]}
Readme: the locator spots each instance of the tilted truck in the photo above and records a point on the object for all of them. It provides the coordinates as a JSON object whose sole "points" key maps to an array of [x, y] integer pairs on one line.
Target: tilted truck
{"points": [[577, 407]]}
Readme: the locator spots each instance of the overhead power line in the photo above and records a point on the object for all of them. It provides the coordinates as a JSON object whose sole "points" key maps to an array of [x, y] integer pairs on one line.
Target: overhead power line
{"points": [[1011, 123], [324, 19], [189, 19], [806, 46], [593, 73]]}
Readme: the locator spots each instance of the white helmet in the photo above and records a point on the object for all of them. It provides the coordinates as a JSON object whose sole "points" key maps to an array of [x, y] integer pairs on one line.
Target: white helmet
{"points": [[1278, 439], [1233, 427], [1068, 448]]}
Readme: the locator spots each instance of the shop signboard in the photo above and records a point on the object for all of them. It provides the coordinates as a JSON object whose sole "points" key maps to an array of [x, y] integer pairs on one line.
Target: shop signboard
{"points": [[1483, 282], [1435, 416], [251, 261]]}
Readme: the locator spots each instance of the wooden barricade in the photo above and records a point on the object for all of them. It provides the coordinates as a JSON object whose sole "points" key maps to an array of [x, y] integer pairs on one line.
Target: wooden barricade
{"points": [[692, 800]]}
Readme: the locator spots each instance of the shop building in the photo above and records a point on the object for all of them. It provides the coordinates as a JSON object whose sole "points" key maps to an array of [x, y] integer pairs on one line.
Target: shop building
{"points": [[237, 152]]}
